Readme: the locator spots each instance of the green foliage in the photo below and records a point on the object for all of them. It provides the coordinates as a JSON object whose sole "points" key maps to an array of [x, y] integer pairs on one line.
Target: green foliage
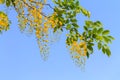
{"points": [[65, 12], [95, 33]]}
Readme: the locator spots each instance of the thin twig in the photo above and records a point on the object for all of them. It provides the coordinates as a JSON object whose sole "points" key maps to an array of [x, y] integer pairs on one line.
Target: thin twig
{"points": [[33, 8]]}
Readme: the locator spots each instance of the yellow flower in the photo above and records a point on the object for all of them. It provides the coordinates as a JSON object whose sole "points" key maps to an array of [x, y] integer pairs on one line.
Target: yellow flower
{"points": [[4, 22]]}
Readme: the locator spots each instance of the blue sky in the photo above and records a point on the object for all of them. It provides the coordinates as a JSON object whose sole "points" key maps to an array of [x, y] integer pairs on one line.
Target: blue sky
{"points": [[20, 57]]}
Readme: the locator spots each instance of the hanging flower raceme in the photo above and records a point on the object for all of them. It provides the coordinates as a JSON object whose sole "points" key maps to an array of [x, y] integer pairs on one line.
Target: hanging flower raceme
{"points": [[33, 19]]}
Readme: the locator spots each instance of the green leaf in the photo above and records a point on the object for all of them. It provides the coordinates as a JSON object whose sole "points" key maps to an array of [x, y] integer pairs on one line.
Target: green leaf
{"points": [[88, 23], [94, 30], [13, 2], [85, 12], [103, 49], [100, 38], [90, 48], [98, 24], [106, 32], [106, 39], [73, 20], [55, 29], [110, 37], [8, 2], [85, 28], [100, 30], [75, 25], [77, 3], [67, 21], [68, 27], [94, 36], [99, 45], [88, 55], [108, 52], [91, 44], [68, 41], [75, 38]]}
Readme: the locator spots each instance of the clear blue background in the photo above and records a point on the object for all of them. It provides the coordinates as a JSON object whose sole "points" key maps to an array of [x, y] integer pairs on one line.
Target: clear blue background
{"points": [[20, 57]]}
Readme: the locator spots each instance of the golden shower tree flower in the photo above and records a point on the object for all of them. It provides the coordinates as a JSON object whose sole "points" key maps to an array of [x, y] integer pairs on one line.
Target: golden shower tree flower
{"points": [[33, 17], [4, 22]]}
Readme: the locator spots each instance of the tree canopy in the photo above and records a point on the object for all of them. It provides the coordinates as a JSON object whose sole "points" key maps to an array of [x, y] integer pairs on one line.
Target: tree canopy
{"points": [[32, 18]]}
